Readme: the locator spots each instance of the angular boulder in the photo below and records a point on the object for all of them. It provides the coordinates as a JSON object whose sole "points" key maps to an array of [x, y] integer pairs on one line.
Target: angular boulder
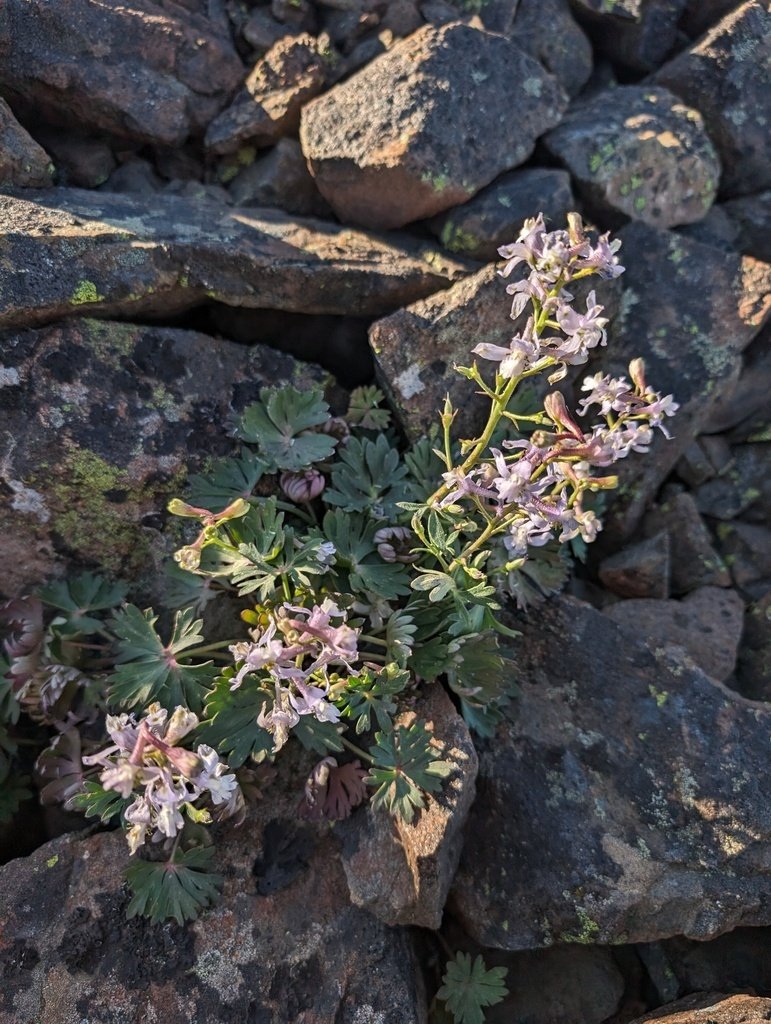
{"points": [[283, 946], [689, 311], [268, 107], [141, 70], [103, 253], [23, 163], [427, 124], [401, 872], [637, 151], [725, 76], [622, 801], [99, 424]]}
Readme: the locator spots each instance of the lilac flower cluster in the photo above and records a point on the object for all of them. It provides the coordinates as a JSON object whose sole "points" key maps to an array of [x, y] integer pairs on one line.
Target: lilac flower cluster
{"points": [[554, 258], [531, 490], [539, 489], [145, 756], [293, 653]]}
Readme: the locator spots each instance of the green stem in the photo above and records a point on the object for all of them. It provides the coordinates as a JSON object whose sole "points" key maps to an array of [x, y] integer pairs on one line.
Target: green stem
{"points": [[356, 750], [195, 652]]}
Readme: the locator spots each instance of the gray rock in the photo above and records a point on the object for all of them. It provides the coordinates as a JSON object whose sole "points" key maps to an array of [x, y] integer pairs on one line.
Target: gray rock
{"points": [[283, 946], [706, 457], [417, 347], [746, 549], [164, 254], [739, 960], [694, 561], [688, 310], [139, 70], [716, 1007], [99, 424], [637, 33], [622, 801], [268, 107], [402, 872], [23, 162], [752, 217], [706, 625], [82, 160], [426, 125], [724, 76], [742, 411], [700, 15], [280, 179], [639, 570], [638, 151], [494, 216], [548, 31], [753, 674], [553, 986], [744, 490]]}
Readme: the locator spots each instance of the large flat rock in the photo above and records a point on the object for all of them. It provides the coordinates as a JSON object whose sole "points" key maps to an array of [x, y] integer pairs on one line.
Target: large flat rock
{"points": [[623, 801], [69, 251], [283, 946]]}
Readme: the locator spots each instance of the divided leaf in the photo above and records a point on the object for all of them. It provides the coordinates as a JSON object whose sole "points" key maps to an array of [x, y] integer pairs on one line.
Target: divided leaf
{"points": [[147, 670], [230, 478], [79, 595], [230, 720], [469, 987], [368, 476], [180, 888], [404, 767], [277, 424]]}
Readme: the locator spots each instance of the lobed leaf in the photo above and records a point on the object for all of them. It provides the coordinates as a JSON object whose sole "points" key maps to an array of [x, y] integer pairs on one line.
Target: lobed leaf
{"points": [[179, 888], [147, 670], [469, 987]]}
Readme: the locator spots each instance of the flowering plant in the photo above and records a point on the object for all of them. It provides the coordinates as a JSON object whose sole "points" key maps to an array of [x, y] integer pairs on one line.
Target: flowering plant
{"points": [[356, 579]]}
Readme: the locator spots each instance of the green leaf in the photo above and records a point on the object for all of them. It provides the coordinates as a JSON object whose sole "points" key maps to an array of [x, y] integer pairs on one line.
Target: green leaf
{"points": [[425, 469], [363, 409], [545, 572], [477, 673], [403, 768], [320, 737], [368, 694], [230, 478], [437, 584], [276, 424], [230, 720], [400, 637], [97, 802], [180, 888], [469, 987], [148, 670], [352, 536], [367, 477], [79, 595]]}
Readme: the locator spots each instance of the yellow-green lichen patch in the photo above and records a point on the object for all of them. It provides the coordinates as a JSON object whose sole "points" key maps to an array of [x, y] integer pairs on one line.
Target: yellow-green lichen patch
{"points": [[455, 239], [94, 512], [587, 933], [85, 292]]}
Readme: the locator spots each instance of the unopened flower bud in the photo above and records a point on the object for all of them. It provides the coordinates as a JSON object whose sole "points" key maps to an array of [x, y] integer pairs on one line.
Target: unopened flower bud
{"points": [[394, 544], [637, 373], [337, 427], [188, 558], [302, 487]]}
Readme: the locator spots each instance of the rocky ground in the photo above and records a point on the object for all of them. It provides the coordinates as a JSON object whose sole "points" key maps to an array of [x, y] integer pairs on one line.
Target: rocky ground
{"points": [[202, 197]]}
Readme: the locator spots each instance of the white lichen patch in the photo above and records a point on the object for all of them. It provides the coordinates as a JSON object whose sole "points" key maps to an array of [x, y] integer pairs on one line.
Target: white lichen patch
{"points": [[9, 377], [28, 501], [219, 970], [409, 382]]}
